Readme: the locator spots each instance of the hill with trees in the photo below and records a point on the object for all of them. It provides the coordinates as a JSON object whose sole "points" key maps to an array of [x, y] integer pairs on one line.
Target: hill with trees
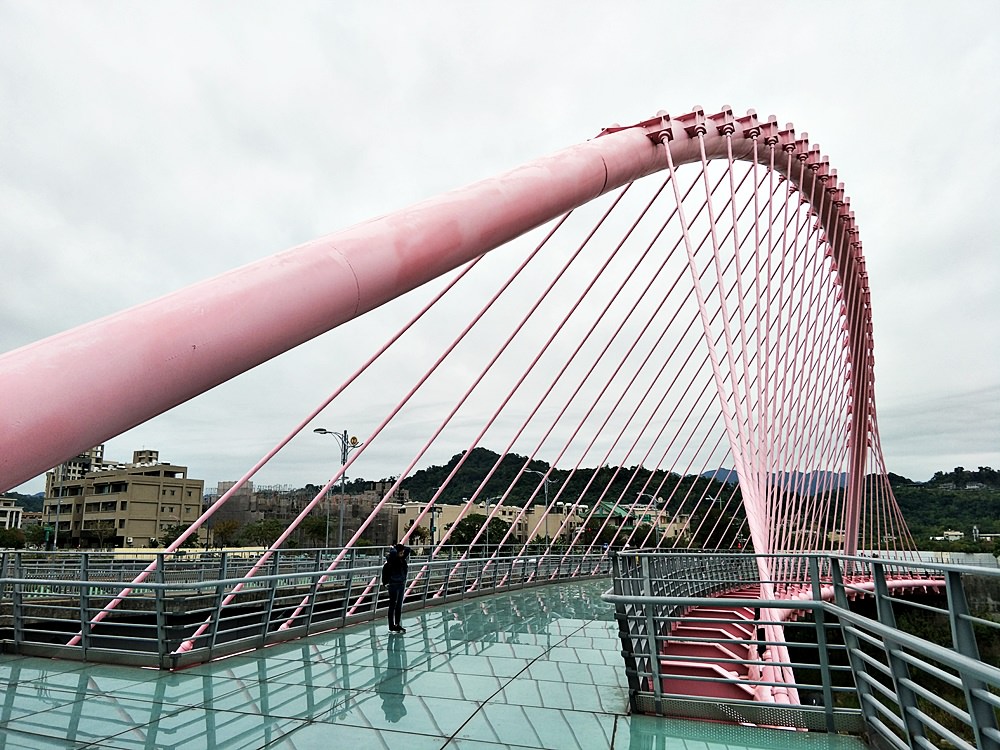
{"points": [[959, 499]]}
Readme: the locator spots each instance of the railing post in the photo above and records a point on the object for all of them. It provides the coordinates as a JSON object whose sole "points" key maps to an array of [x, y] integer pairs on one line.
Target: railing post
{"points": [[652, 647], [982, 715], [220, 595], [915, 735], [272, 594], [160, 602], [427, 583], [313, 596], [819, 618], [348, 589], [84, 606], [17, 599], [866, 698]]}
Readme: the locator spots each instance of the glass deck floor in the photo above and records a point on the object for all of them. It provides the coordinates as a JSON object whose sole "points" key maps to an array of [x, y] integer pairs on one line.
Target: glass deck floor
{"points": [[538, 668]]}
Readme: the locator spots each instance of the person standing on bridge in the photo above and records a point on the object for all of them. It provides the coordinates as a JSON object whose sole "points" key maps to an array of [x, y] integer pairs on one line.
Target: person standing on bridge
{"points": [[394, 577]]}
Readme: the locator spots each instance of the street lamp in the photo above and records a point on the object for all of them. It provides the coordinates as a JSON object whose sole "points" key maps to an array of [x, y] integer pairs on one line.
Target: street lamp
{"points": [[435, 513], [653, 501], [347, 444], [545, 480], [489, 504], [55, 534]]}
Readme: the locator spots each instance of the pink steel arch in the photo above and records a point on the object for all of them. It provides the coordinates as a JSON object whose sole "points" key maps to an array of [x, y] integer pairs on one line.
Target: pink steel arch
{"points": [[206, 337]]}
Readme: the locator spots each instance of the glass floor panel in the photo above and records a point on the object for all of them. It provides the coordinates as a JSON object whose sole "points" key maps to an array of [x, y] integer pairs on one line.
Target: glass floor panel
{"points": [[538, 668]]}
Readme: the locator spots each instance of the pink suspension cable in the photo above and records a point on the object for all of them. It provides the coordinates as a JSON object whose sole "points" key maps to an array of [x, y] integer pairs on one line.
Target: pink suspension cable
{"points": [[534, 362], [575, 432], [441, 427], [198, 522], [188, 644]]}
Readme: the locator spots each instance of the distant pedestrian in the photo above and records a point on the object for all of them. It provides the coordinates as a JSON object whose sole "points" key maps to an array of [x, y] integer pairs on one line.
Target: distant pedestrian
{"points": [[394, 577]]}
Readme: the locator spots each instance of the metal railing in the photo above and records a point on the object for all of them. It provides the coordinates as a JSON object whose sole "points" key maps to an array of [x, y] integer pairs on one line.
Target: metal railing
{"points": [[46, 599], [905, 652]]}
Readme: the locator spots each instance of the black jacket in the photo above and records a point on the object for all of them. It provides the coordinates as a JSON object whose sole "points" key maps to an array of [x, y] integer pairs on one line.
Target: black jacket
{"points": [[396, 563]]}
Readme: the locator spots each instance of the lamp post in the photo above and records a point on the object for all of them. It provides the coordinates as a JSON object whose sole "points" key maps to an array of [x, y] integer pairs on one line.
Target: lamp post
{"points": [[489, 504], [55, 533], [635, 516], [545, 481], [347, 444], [435, 513]]}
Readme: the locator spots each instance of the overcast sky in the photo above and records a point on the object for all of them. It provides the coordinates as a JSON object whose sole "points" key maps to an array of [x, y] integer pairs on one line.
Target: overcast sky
{"points": [[144, 147]]}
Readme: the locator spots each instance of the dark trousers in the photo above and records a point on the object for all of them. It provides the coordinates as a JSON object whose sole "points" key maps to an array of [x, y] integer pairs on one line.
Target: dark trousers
{"points": [[395, 603]]}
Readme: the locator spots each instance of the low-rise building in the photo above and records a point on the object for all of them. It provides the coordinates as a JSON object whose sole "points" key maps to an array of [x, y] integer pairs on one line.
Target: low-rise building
{"points": [[527, 524], [10, 514], [251, 504], [122, 505]]}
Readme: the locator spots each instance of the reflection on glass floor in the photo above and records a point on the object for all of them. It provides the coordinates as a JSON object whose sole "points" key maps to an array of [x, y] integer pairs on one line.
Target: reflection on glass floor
{"points": [[534, 669]]}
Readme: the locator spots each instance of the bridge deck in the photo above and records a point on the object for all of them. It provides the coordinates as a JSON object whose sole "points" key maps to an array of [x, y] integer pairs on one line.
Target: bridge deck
{"points": [[536, 668]]}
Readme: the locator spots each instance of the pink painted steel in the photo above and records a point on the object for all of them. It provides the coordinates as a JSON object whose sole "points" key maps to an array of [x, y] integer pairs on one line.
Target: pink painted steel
{"points": [[204, 517], [207, 334], [331, 280]]}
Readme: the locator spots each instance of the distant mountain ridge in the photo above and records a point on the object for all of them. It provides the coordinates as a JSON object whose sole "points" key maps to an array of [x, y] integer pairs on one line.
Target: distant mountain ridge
{"points": [[804, 483]]}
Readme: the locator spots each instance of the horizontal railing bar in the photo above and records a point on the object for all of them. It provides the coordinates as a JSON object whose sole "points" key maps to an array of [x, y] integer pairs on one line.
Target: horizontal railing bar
{"points": [[666, 648], [936, 700], [947, 677], [930, 721]]}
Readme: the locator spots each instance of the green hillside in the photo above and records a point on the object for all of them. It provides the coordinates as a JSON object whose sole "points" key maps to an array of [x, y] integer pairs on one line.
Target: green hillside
{"points": [[959, 500]]}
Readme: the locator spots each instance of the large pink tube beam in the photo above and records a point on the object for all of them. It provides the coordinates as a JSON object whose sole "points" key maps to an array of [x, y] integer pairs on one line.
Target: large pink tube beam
{"points": [[76, 389]]}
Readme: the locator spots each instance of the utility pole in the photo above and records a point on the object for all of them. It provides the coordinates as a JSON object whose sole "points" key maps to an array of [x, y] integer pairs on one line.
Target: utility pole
{"points": [[347, 444], [546, 481]]}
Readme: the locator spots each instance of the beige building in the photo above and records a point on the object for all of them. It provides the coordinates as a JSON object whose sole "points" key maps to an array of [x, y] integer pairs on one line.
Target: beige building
{"points": [[77, 468], [10, 514], [251, 504], [383, 528], [121, 505], [529, 524]]}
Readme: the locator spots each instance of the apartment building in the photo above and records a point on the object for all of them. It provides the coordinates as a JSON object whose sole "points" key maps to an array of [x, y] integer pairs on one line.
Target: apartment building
{"points": [[121, 505]]}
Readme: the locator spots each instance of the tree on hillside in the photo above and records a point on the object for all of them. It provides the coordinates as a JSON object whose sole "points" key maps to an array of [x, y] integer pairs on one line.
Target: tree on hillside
{"points": [[465, 531], [314, 529], [11, 538], [224, 531], [171, 534], [263, 533]]}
